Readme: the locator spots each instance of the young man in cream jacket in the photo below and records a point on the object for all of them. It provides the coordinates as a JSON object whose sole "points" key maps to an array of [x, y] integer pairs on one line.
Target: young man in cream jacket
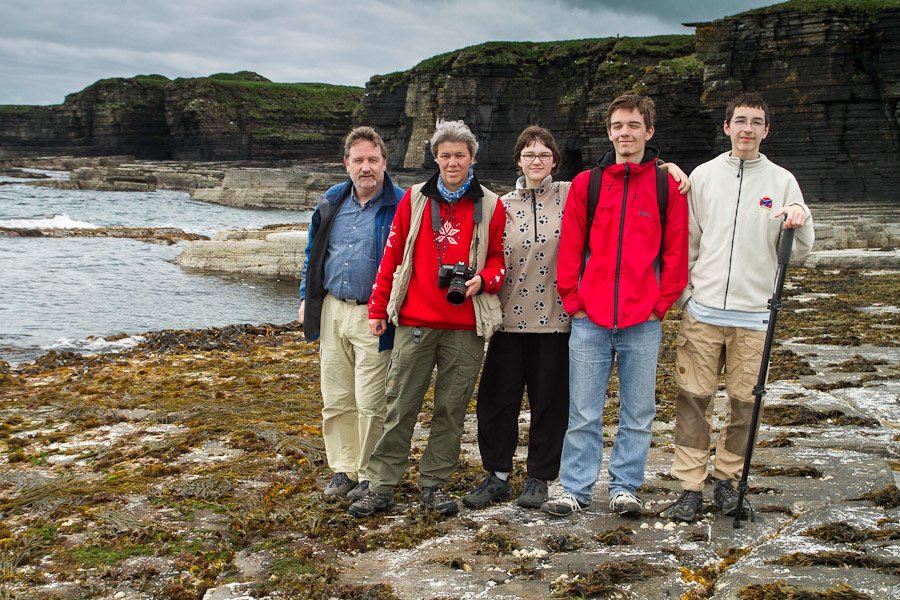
{"points": [[739, 203]]}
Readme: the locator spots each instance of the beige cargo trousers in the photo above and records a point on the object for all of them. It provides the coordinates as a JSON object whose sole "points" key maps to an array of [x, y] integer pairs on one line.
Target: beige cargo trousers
{"points": [[701, 352]]}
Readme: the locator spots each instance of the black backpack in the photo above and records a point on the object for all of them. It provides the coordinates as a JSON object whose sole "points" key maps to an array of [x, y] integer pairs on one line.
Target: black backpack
{"points": [[593, 198]]}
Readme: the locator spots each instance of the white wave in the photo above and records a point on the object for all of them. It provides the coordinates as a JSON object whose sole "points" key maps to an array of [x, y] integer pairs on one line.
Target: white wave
{"points": [[48, 222], [95, 345]]}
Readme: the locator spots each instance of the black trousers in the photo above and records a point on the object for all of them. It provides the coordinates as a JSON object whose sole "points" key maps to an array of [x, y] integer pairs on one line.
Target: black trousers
{"points": [[514, 362]]}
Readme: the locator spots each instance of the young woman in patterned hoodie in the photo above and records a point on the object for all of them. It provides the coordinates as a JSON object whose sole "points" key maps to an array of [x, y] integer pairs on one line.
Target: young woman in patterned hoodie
{"points": [[531, 348]]}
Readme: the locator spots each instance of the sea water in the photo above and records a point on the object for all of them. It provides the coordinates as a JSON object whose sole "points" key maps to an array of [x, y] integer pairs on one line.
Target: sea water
{"points": [[74, 293]]}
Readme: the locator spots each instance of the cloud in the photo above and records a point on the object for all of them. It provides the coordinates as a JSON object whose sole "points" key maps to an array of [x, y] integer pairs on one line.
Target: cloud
{"points": [[54, 47]]}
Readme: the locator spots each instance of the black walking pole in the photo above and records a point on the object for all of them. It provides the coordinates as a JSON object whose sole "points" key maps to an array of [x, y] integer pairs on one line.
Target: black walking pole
{"points": [[784, 257]]}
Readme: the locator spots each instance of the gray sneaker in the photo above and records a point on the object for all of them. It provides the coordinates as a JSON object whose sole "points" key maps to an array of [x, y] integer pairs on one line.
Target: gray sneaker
{"points": [[492, 489], [359, 491], [564, 505], [626, 504], [371, 503], [434, 498], [726, 497], [339, 485], [534, 494], [685, 508]]}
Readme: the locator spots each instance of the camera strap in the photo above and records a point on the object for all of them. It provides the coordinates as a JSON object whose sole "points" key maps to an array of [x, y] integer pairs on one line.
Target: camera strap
{"points": [[436, 225]]}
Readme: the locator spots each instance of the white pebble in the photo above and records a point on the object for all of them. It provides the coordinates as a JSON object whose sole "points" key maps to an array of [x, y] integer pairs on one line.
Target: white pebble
{"points": [[658, 525], [645, 526]]}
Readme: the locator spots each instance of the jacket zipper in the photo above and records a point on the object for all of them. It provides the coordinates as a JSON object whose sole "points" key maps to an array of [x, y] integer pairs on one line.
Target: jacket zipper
{"points": [[534, 212], [619, 253], [733, 233]]}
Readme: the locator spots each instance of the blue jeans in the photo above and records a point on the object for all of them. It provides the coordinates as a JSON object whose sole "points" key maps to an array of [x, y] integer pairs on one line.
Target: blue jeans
{"points": [[592, 351]]}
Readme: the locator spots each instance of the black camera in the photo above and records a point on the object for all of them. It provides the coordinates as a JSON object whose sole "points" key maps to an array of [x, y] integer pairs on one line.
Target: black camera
{"points": [[454, 278]]}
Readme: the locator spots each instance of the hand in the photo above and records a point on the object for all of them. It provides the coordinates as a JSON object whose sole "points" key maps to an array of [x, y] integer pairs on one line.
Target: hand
{"points": [[300, 311], [653, 317], [473, 286], [579, 314], [377, 326], [680, 177], [796, 216]]}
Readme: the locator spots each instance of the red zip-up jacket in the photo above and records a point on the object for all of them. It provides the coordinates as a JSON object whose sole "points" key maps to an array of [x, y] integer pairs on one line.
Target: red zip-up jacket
{"points": [[619, 287], [426, 304]]}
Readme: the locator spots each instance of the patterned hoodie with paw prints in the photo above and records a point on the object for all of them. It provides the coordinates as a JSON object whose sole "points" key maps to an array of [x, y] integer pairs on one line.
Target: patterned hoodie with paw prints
{"points": [[529, 299]]}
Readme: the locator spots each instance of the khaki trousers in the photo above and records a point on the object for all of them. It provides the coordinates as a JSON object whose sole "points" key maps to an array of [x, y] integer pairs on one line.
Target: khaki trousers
{"points": [[457, 353], [352, 373], [701, 352]]}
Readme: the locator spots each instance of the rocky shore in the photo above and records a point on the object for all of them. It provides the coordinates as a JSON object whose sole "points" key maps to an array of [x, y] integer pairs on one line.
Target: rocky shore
{"points": [[191, 466]]}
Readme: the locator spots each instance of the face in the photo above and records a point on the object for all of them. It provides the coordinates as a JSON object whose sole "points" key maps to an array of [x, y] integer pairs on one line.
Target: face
{"points": [[629, 134], [536, 162], [366, 166], [453, 159], [747, 129]]}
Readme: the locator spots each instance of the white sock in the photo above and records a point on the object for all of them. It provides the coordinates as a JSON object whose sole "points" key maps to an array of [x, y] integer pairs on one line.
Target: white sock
{"points": [[501, 476]]}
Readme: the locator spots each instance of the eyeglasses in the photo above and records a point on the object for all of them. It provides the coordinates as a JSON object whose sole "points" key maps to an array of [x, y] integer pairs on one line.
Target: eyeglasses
{"points": [[530, 156], [742, 122]]}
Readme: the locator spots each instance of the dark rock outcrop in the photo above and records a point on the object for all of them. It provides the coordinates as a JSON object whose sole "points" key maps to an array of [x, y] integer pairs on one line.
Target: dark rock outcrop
{"points": [[830, 71], [238, 116]]}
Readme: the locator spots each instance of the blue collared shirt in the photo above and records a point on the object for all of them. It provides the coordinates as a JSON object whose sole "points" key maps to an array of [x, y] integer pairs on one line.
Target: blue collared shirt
{"points": [[350, 261]]}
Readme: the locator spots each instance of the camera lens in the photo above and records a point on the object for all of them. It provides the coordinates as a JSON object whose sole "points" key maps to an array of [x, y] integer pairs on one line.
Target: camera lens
{"points": [[456, 291]]}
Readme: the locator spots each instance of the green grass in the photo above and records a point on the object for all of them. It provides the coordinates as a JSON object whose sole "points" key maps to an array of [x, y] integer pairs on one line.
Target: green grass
{"points": [[95, 556], [869, 6]]}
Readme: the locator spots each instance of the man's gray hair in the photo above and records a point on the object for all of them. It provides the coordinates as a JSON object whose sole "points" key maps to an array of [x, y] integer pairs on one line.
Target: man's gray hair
{"points": [[453, 131]]}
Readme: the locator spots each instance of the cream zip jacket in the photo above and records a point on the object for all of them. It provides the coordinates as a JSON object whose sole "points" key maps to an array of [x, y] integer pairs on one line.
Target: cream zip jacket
{"points": [[733, 248]]}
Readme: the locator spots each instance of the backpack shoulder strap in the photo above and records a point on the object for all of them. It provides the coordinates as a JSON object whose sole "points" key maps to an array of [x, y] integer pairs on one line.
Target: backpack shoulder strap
{"points": [[593, 198], [662, 199]]}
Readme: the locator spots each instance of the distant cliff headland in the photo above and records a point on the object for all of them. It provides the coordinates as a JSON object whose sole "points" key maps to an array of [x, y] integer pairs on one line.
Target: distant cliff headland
{"points": [[829, 69]]}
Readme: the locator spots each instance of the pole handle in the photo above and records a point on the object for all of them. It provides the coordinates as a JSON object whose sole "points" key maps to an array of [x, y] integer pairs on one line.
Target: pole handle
{"points": [[787, 243]]}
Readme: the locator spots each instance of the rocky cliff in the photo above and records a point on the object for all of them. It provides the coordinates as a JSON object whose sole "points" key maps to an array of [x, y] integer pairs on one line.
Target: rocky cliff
{"points": [[239, 116], [829, 69]]}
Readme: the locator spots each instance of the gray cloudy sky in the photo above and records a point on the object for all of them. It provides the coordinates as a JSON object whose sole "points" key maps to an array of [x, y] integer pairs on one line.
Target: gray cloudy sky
{"points": [[50, 48]]}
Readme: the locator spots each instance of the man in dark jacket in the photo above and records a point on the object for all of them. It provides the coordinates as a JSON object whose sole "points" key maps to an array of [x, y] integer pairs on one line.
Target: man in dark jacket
{"points": [[347, 234]]}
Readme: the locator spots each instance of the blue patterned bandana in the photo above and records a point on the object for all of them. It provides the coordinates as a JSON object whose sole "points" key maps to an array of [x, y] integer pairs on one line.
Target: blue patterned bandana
{"points": [[451, 196]]}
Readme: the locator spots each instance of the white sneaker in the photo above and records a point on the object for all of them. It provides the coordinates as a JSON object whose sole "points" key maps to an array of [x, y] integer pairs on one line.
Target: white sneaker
{"points": [[626, 504], [564, 505]]}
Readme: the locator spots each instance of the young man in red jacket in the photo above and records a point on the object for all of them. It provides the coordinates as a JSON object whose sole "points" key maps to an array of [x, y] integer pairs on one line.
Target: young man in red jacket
{"points": [[633, 273]]}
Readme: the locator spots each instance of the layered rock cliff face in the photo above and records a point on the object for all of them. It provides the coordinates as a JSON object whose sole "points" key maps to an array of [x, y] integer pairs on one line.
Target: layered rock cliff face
{"points": [[829, 70], [831, 75], [224, 117], [500, 88]]}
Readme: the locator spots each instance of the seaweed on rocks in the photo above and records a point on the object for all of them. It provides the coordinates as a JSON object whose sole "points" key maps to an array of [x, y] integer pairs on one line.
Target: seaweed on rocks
{"points": [[838, 559], [886, 497], [858, 364], [619, 536], [780, 590], [564, 542], [495, 542], [605, 579], [845, 533], [799, 471], [789, 415]]}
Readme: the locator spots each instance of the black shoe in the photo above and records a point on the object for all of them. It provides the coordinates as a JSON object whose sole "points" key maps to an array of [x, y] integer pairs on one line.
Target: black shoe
{"points": [[339, 485], [371, 503], [685, 508], [492, 489], [726, 497], [435, 499], [534, 494], [359, 491]]}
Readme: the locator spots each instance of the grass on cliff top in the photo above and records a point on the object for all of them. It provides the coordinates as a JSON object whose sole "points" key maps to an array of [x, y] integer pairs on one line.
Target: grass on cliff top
{"points": [[824, 6], [261, 99], [540, 53]]}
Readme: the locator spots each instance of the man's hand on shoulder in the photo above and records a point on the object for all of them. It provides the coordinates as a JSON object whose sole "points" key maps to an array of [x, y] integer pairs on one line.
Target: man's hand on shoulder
{"points": [[680, 177], [300, 311], [795, 216]]}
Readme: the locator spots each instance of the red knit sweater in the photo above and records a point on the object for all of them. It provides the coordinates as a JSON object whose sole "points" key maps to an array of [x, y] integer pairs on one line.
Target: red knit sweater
{"points": [[426, 304]]}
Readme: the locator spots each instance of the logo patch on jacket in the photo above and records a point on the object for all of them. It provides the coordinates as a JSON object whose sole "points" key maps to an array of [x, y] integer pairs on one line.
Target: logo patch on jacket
{"points": [[765, 202]]}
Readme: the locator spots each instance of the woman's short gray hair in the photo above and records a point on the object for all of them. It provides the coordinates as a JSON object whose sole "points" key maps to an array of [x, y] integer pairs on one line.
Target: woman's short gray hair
{"points": [[453, 131]]}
